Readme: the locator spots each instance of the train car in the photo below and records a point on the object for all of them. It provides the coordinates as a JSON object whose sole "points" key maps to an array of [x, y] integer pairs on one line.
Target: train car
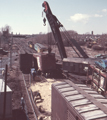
{"points": [[26, 63], [46, 62], [40, 48], [30, 44], [77, 102]]}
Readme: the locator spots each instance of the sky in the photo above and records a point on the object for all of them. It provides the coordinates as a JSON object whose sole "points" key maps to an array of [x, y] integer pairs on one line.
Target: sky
{"points": [[82, 16]]}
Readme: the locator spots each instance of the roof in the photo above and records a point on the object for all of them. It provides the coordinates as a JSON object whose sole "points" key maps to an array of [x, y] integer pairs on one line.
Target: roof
{"points": [[80, 60], [2, 86]]}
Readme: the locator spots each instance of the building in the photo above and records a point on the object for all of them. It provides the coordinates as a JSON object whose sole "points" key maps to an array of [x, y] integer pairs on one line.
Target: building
{"points": [[8, 112]]}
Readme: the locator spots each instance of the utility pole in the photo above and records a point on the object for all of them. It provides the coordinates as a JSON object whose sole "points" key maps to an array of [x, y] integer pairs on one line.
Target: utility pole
{"points": [[11, 51], [0, 41], [4, 108]]}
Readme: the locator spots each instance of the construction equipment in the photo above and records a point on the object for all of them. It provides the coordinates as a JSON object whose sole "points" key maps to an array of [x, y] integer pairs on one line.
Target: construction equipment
{"points": [[55, 26], [26, 63]]}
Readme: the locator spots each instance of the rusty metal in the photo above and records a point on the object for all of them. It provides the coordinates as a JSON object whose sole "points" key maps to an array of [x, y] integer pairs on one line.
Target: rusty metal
{"points": [[98, 80], [46, 62], [75, 65], [26, 62]]}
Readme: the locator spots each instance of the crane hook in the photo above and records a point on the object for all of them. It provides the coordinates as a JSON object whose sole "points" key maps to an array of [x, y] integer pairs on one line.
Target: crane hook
{"points": [[44, 20]]}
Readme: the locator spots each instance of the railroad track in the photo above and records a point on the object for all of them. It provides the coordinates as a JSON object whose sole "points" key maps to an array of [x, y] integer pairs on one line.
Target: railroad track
{"points": [[27, 83], [23, 47], [31, 110]]}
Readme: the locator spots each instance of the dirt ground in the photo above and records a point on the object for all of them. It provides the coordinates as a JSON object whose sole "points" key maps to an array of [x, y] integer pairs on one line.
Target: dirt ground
{"points": [[43, 87]]}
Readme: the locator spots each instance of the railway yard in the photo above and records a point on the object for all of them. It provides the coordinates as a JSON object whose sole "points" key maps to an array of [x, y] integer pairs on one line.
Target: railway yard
{"points": [[39, 81], [22, 85]]}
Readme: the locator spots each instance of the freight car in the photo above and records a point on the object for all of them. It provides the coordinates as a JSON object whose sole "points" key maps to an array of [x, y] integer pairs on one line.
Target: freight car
{"points": [[26, 63], [46, 62], [40, 48], [77, 102]]}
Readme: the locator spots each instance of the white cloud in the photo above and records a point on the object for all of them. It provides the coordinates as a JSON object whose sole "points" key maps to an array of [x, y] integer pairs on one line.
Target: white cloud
{"points": [[84, 18], [80, 18], [104, 10], [97, 15]]}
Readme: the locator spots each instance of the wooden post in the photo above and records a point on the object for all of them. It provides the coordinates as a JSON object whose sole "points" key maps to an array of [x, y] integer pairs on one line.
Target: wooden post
{"points": [[88, 73], [0, 41], [99, 80], [92, 77], [4, 108], [105, 87], [10, 55]]}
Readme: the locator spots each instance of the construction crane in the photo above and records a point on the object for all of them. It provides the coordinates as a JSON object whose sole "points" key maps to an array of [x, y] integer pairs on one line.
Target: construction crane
{"points": [[55, 25], [76, 65]]}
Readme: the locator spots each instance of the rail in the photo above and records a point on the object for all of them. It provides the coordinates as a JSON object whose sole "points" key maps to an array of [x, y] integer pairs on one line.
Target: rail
{"points": [[29, 98]]}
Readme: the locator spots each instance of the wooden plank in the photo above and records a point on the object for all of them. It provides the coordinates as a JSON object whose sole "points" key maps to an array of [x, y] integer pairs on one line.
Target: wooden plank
{"points": [[62, 83], [80, 102], [81, 85], [63, 86], [74, 97], [86, 108], [66, 89], [90, 92], [97, 96], [86, 88], [94, 115], [103, 100], [89, 97], [70, 93], [105, 104]]}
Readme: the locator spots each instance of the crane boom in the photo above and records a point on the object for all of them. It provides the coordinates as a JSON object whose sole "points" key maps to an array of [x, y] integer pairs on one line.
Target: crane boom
{"points": [[55, 25]]}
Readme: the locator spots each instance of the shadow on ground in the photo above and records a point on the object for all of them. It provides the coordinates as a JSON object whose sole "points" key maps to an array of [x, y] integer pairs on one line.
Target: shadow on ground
{"points": [[17, 114]]}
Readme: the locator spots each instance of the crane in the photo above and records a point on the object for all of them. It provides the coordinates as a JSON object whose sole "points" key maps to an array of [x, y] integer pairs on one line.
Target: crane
{"points": [[69, 64], [55, 25]]}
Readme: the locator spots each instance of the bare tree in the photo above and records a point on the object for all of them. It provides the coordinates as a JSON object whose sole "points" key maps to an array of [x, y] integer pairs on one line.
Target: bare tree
{"points": [[6, 30], [5, 35]]}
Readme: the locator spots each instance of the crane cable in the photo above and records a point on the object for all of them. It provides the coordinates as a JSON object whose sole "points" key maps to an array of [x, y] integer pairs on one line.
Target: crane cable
{"points": [[50, 38], [68, 37], [49, 34], [44, 19]]}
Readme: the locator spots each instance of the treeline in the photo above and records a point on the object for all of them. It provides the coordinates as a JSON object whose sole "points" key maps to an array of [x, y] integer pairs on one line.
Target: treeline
{"points": [[49, 38], [5, 37]]}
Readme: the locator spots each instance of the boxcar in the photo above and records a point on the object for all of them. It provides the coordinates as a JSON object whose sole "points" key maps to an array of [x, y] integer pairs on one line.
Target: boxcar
{"points": [[77, 102]]}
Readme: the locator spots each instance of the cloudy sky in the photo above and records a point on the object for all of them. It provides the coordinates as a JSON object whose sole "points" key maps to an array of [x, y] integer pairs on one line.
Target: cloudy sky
{"points": [[25, 16]]}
